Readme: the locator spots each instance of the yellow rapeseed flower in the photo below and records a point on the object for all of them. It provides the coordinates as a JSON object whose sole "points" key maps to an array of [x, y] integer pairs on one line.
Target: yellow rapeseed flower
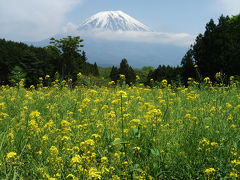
{"points": [[111, 83], [104, 159], [11, 157], [122, 76], [94, 173], [34, 115], [76, 159], [234, 174], [210, 171], [53, 151]]}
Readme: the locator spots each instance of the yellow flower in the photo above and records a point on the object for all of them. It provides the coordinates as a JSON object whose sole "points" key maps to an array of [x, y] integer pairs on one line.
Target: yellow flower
{"points": [[233, 126], [116, 155], [235, 162], [75, 149], [187, 116], [213, 109], [90, 142], [111, 83], [125, 163], [76, 159], [137, 77], [94, 173], [34, 115], [207, 80], [122, 93], [11, 156], [53, 151], [2, 105], [205, 141], [137, 148], [11, 135], [228, 105], [115, 177], [65, 123], [122, 76], [45, 138], [218, 75], [196, 66], [104, 159], [214, 144], [33, 127], [164, 82], [29, 146], [234, 174], [71, 176], [79, 74], [210, 171], [96, 136], [47, 76]]}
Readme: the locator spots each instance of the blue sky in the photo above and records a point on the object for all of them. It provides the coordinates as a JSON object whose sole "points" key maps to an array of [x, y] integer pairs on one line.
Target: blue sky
{"points": [[30, 20]]}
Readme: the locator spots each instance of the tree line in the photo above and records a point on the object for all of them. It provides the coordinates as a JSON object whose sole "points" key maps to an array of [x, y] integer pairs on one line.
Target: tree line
{"points": [[62, 58], [216, 50]]}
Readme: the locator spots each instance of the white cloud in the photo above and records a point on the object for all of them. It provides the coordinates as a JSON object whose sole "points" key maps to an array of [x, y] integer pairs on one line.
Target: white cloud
{"points": [[180, 39], [228, 7], [69, 27], [33, 19]]}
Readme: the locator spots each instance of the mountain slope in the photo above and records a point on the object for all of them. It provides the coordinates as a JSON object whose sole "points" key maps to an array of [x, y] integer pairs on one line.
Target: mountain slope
{"points": [[113, 21]]}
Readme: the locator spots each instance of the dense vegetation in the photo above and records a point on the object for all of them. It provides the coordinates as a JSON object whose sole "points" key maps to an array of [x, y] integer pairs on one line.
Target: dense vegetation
{"points": [[120, 132], [17, 61]]}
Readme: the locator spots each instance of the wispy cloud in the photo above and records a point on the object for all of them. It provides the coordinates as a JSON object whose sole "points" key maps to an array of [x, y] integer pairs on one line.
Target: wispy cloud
{"points": [[33, 19], [180, 39], [228, 7]]}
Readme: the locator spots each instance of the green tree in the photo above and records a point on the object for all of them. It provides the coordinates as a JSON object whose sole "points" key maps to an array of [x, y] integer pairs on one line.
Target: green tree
{"points": [[32, 66], [70, 54], [114, 74], [95, 69], [127, 70], [16, 75], [218, 49], [188, 65]]}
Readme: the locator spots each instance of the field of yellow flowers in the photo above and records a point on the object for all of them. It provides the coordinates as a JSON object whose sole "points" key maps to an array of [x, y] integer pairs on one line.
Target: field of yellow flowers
{"points": [[116, 132]]}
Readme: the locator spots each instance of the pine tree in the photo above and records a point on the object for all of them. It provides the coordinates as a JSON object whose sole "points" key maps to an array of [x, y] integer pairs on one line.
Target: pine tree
{"points": [[114, 74], [127, 70], [131, 76], [95, 69], [187, 63]]}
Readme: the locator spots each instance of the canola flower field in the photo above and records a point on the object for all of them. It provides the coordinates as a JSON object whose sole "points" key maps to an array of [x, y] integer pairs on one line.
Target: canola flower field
{"points": [[116, 132]]}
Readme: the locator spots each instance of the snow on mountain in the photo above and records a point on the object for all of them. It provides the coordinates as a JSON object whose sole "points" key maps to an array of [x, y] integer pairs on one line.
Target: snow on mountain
{"points": [[113, 21]]}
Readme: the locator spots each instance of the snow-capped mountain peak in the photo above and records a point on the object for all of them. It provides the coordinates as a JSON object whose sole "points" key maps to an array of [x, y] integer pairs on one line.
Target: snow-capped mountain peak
{"points": [[113, 21]]}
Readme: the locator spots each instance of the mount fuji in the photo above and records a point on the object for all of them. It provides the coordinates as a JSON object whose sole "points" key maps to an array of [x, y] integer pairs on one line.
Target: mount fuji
{"points": [[113, 21], [110, 36]]}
